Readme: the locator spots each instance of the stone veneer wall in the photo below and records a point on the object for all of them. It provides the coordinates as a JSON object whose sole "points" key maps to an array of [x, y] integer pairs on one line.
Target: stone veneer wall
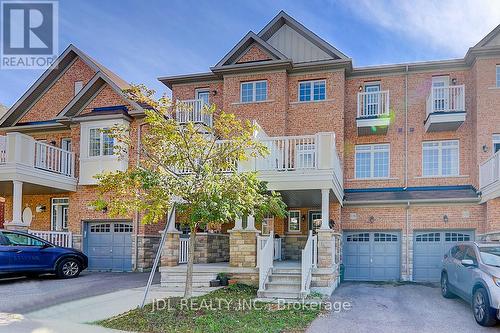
{"points": [[146, 251], [211, 247], [292, 245]]}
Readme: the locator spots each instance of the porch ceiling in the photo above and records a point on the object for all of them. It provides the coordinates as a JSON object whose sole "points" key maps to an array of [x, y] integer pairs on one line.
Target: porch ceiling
{"points": [[28, 188], [303, 198]]}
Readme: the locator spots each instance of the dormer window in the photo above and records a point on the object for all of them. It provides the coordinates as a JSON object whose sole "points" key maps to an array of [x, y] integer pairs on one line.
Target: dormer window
{"points": [[78, 87]]}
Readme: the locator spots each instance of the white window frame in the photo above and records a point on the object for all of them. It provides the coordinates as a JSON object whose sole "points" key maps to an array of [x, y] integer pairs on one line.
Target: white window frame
{"points": [[497, 76], [266, 222], [54, 203], [311, 86], [289, 217], [78, 86], [197, 91], [101, 142], [372, 160], [495, 140], [254, 91], [440, 159]]}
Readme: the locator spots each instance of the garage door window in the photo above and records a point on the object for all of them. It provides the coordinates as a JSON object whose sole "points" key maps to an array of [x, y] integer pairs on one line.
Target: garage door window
{"points": [[121, 227], [365, 237], [103, 227], [430, 237], [379, 237], [456, 237]]}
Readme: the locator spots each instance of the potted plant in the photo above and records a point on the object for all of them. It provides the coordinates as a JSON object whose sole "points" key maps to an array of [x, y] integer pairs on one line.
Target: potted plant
{"points": [[232, 282], [214, 283], [223, 278]]}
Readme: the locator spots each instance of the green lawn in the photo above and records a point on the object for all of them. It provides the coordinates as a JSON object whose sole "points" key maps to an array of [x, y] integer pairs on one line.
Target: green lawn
{"points": [[220, 317]]}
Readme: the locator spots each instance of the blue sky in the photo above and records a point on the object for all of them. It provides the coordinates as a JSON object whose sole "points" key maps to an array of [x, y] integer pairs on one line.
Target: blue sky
{"points": [[142, 40]]}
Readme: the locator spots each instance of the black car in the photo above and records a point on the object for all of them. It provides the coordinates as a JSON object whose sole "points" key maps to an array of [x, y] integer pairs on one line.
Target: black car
{"points": [[25, 254]]}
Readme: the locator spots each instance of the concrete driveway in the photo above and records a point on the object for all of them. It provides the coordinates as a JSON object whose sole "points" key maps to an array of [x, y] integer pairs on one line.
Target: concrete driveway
{"points": [[23, 295], [397, 308]]}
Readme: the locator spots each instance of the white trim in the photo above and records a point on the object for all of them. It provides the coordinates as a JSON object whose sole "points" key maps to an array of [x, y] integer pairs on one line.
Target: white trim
{"points": [[202, 90], [254, 91], [299, 221], [372, 161], [53, 226], [440, 159], [497, 76], [101, 141], [311, 85], [78, 86]]}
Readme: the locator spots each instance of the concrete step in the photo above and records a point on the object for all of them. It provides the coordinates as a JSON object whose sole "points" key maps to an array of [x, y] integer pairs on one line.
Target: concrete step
{"points": [[285, 277], [283, 286], [279, 294], [183, 278], [183, 284], [286, 270]]}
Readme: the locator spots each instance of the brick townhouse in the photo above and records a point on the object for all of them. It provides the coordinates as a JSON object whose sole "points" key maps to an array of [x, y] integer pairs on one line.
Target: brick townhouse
{"points": [[383, 168]]}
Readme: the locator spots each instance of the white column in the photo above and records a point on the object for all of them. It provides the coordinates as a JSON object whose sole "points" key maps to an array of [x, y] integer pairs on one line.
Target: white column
{"points": [[17, 201], [171, 227], [238, 224], [325, 209], [251, 223]]}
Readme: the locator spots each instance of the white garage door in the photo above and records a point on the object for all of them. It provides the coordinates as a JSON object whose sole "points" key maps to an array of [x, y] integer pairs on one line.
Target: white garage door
{"points": [[429, 248], [372, 256]]}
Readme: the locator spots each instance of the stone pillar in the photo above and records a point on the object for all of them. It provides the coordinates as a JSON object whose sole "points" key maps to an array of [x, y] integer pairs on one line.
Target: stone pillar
{"points": [[17, 202], [325, 249], [243, 248], [325, 209], [170, 251]]}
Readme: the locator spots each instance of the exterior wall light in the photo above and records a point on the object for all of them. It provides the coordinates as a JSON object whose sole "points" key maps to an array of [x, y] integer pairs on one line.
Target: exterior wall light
{"points": [[371, 219], [485, 148], [454, 81], [445, 218]]}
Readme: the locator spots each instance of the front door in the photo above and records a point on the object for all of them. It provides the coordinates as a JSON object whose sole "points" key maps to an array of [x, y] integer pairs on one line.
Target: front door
{"points": [[372, 101], [314, 220], [440, 92], [59, 214]]}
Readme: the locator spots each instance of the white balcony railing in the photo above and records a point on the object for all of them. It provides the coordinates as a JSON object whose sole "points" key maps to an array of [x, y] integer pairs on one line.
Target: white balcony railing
{"points": [[59, 238], [446, 99], [36, 154], [373, 104], [489, 171], [193, 110], [183, 250], [289, 153]]}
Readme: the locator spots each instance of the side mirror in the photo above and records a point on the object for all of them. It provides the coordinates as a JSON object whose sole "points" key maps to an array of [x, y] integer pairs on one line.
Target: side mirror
{"points": [[468, 262]]}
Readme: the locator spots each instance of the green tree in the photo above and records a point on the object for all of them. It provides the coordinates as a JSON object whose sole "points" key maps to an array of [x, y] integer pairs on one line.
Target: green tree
{"points": [[193, 164]]}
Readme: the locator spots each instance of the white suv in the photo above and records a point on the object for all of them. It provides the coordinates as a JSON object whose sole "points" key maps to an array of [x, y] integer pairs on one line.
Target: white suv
{"points": [[471, 270]]}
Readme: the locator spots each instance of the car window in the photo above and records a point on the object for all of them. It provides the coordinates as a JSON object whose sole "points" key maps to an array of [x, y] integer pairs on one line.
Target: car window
{"points": [[457, 252], [490, 255], [469, 254], [14, 239]]}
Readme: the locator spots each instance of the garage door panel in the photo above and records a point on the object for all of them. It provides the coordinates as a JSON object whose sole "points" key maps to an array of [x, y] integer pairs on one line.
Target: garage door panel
{"points": [[109, 246], [375, 258], [429, 248]]}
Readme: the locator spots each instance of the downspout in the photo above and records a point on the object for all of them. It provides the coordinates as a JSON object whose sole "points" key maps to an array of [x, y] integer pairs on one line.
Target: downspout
{"points": [[136, 224], [406, 128], [407, 241]]}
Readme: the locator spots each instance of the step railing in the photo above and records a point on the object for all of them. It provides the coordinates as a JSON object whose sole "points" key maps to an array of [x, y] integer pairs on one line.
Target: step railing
{"points": [[193, 110], [59, 238], [261, 242], [54, 159], [373, 104], [489, 171], [183, 250], [307, 263], [265, 260], [446, 99]]}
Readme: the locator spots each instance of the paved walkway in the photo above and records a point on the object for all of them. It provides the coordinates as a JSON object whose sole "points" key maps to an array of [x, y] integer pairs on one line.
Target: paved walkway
{"points": [[73, 316]]}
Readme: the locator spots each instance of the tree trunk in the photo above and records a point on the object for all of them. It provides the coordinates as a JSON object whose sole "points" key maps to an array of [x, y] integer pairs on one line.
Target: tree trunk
{"points": [[188, 292]]}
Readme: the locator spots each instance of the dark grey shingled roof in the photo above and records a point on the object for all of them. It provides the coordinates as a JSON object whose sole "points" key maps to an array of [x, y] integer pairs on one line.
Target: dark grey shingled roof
{"points": [[445, 193]]}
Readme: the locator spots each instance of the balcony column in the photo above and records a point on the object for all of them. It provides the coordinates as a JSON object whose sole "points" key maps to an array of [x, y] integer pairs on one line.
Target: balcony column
{"points": [[17, 202], [238, 224], [325, 209]]}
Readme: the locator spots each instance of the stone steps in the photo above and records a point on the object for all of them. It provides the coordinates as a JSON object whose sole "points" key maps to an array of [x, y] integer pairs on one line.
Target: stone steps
{"points": [[283, 283]]}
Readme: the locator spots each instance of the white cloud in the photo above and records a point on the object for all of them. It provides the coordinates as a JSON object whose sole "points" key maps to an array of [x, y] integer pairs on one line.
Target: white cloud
{"points": [[452, 24]]}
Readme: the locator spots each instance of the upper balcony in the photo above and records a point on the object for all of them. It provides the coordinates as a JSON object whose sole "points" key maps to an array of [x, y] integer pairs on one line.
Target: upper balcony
{"points": [[373, 112], [192, 110], [489, 178], [445, 108], [42, 167], [306, 162]]}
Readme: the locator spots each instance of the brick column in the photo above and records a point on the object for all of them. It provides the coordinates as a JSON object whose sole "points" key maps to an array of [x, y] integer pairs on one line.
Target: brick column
{"points": [[243, 248], [170, 251]]}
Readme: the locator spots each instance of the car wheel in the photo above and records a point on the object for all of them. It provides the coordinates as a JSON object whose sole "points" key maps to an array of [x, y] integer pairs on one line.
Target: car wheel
{"points": [[68, 268], [445, 287], [483, 312]]}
